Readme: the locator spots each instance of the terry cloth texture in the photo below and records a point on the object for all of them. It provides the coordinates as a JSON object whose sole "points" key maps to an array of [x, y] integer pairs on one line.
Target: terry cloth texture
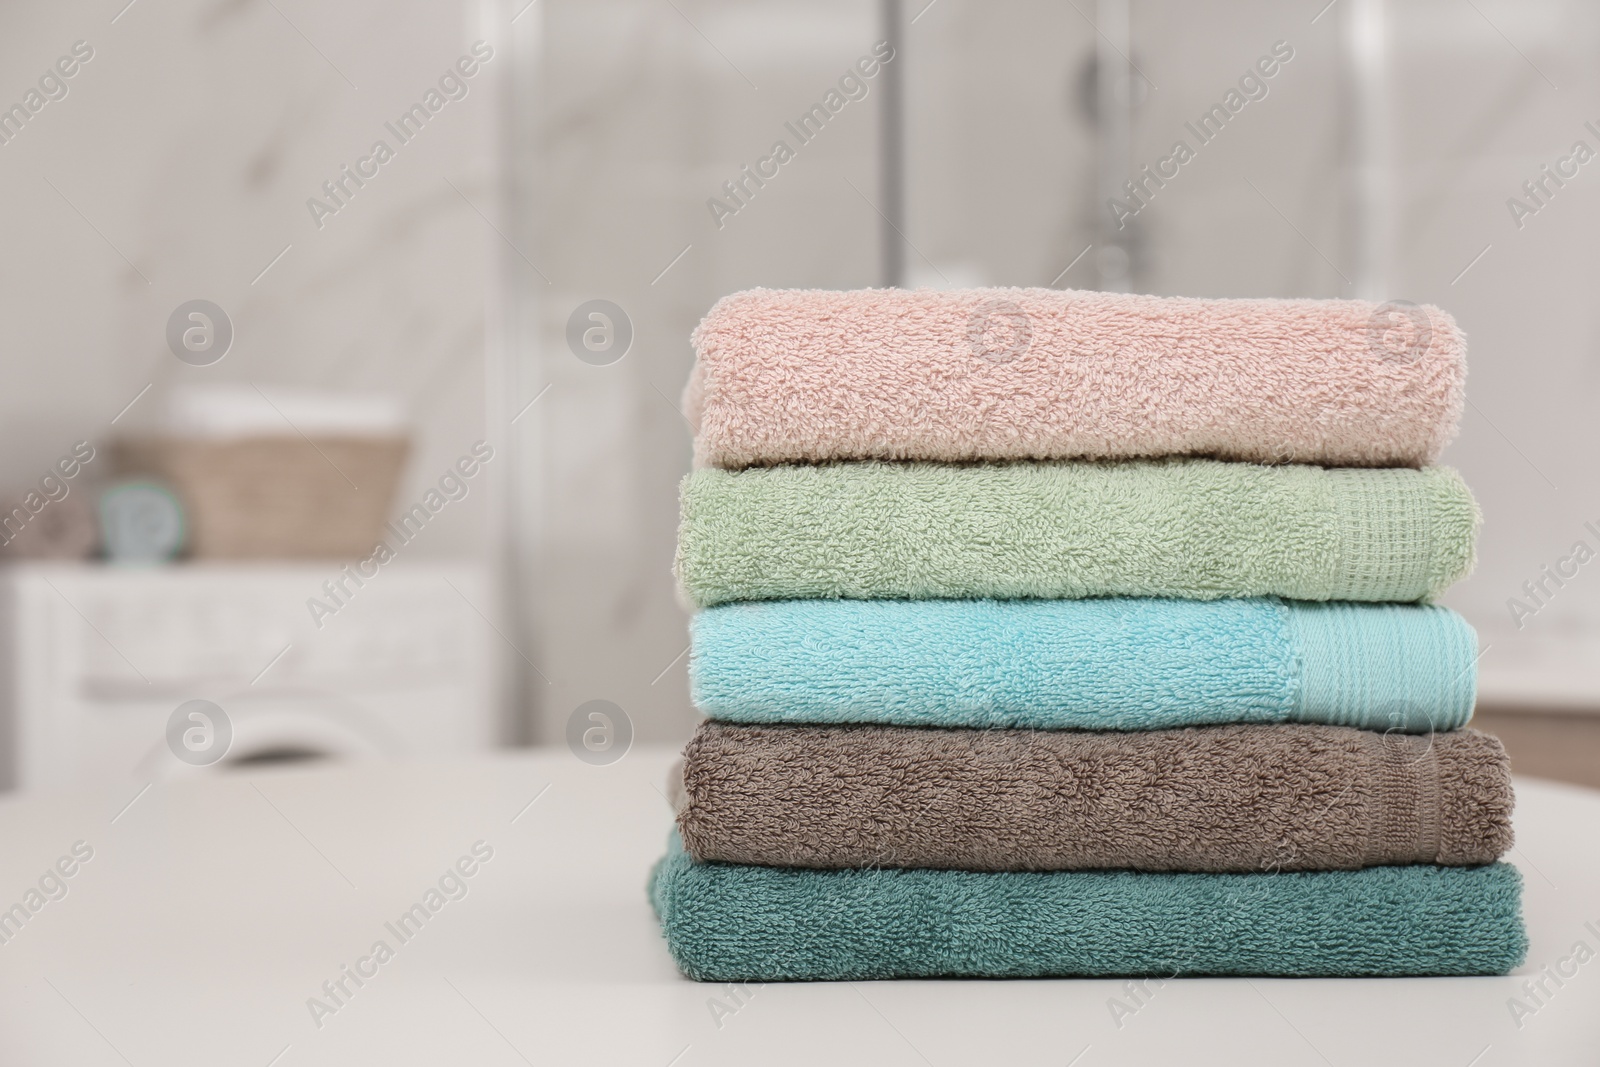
{"points": [[1197, 529], [1114, 663], [732, 923], [1209, 798], [805, 376]]}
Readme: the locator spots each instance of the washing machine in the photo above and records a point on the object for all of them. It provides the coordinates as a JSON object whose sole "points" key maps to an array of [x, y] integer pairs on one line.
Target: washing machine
{"points": [[285, 662]]}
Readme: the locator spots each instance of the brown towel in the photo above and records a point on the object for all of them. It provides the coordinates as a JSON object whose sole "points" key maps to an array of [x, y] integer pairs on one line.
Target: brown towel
{"points": [[1210, 798]]}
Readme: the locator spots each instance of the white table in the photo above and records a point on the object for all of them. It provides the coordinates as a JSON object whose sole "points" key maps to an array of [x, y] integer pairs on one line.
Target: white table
{"points": [[213, 908]]}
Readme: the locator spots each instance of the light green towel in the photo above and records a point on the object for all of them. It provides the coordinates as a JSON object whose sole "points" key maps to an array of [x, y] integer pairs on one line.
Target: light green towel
{"points": [[1197, 529]]}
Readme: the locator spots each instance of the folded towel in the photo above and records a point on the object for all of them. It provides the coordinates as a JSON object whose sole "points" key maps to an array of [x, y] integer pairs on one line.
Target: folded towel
{"points": [[1209, 798], [730, 923], [1117, 663], [785, 376], [1187, 528]]}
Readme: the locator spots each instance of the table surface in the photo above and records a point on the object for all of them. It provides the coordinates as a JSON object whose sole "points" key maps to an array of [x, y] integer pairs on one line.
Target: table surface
{"points": [[213, 909]]}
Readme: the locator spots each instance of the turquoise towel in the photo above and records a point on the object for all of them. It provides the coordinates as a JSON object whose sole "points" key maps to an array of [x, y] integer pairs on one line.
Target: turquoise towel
{"points": [[731, 923], [1196, 529], [1108, 664]]}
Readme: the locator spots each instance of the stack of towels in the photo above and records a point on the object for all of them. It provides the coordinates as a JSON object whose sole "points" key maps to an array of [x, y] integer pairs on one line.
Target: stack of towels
{"points": [[1064, 633]]}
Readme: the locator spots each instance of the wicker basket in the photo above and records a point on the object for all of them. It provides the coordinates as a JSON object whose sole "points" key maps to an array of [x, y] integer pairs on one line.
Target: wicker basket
{"points": [[276, 497]]}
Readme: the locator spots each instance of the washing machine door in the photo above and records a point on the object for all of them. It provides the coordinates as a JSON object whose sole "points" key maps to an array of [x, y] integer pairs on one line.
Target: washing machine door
{"points": [[268, 729]]}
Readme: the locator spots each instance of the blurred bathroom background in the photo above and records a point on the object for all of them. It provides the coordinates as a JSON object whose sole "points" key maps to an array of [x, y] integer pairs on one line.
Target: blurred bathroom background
{"points": [[378, 323]]}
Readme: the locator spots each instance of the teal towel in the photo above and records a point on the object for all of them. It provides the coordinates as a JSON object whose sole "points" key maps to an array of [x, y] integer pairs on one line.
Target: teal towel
{"points": [[1197, 529], [730, 923], [1105, 664]]}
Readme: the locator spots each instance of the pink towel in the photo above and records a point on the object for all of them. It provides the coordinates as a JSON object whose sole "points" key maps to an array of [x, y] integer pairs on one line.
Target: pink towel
{"points": [[808, 376]]}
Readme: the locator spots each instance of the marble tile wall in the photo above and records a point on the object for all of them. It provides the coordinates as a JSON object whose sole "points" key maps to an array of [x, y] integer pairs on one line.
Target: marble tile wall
{"points": [[180, 161], [179, 166], [641, 109]]}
